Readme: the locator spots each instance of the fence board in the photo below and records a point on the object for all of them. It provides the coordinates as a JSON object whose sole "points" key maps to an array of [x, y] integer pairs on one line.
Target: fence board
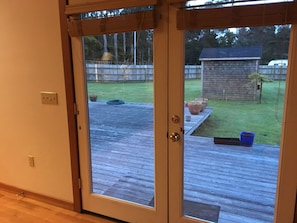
{"points": [[100, 72]]}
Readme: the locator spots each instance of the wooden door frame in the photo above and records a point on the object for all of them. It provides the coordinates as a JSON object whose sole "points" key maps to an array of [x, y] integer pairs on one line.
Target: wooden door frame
{"points": [[287, 181], [71, 108]]}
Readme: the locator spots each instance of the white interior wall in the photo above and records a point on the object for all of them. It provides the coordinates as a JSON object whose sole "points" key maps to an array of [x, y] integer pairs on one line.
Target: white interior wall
{"points": [[31, 61]]}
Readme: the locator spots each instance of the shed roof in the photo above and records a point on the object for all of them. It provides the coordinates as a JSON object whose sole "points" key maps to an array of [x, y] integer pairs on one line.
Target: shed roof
{"points": [[232, 53]]}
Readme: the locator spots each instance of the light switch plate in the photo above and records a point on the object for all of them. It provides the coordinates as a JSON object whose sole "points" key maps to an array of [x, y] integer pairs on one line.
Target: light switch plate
{"points": [[49, 98]]}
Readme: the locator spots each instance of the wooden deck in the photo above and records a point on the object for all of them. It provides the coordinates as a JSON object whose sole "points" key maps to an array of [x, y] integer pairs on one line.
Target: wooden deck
{"points": [[241, 180], [195, 120]]}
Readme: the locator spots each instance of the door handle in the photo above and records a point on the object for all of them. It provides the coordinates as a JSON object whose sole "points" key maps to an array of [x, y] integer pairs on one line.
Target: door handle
{"points": [[175, 137]]}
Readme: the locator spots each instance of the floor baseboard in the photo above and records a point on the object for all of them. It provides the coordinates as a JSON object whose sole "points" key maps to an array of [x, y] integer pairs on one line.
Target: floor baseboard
{"points": [[36, 196]]}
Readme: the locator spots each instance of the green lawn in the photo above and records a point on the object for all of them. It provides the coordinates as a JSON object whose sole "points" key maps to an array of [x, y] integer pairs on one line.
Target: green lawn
{"points": [[131, 91], [228, 119], [265, 119]]}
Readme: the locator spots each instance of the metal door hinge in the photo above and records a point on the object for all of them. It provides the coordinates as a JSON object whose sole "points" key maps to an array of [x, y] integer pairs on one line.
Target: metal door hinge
{"points": [[182, 130]]}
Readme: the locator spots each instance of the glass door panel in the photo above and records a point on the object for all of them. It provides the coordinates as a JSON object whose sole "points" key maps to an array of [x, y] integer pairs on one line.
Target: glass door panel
{"points": [[120, 105], [118, 129], [233, 121]]}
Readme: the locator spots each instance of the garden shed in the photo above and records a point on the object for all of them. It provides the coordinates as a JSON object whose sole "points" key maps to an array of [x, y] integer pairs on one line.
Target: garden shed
{"points": [[224, 72]]}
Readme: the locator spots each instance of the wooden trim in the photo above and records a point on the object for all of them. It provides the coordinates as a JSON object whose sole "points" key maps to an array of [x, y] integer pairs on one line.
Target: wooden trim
{"points": [[38, 197], [99, 5], [126, 23], [287, 181], [176, 64], [238, 16], [70, 100], [161, 75]]}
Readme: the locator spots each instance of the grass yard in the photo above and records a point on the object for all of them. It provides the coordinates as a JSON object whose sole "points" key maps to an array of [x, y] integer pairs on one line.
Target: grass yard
{"points": [[141, 92], [265, 119], [228, 119]]}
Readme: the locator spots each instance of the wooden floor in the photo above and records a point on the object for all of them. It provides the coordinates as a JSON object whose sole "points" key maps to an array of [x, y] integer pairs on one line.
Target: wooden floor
{"points": [[241, 180], [16, 209]]}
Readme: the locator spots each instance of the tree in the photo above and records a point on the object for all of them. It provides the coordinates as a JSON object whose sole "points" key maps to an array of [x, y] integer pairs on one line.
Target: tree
{"points": [[92, 48], [196, 40], [282, 41], [261, 36], [192, 46], [258, 80], [115, 44], [124, 46], [105, 47], [208, 38], [227, 39]]}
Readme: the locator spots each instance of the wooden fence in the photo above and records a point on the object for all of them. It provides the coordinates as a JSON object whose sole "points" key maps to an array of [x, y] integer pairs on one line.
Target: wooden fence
{"points": [[101, 72], [274, 72]]}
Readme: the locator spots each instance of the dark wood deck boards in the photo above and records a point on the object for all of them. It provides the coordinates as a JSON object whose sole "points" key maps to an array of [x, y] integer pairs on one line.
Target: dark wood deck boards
{"points": [[241, 180]]}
